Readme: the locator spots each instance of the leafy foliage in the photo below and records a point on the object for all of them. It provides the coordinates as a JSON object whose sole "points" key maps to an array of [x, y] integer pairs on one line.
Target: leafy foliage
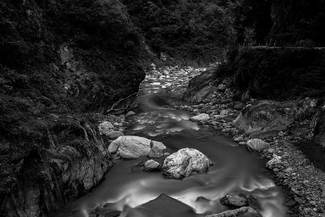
{"points": [[280, 22], [199, 30]]}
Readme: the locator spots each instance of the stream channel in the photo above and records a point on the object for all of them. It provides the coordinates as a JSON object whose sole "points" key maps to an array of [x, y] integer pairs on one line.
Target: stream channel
{"points": [[235, 169]]}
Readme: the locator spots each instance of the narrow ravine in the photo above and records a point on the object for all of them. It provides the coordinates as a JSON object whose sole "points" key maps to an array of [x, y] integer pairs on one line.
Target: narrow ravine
{"points": [[235, 169]]}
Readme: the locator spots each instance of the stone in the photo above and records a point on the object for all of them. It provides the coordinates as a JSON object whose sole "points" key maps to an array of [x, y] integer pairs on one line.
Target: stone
{"points": [[243, 211], [185, 162], [276, 160], [151, 165], [265, 119], [203, 94], [163, 205], [224, 112], [157, 150], [130, 113], [238, 139], [234, 199], [115, 134], [239, 106], [198, 83], [130, 147], [200, 117], [105, 128], [222, 87], [257, 144]]}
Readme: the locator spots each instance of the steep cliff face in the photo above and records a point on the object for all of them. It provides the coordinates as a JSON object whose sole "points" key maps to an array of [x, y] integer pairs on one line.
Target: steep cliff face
{"points": [[60, 62]]}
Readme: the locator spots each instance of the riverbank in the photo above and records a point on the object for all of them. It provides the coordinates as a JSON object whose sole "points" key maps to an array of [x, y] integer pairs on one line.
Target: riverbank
{"points": [[303, 184]]}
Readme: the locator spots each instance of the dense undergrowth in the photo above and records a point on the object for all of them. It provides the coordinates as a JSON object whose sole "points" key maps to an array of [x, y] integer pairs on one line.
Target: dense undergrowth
{"points": [[61, 63], [199, 32], [279, 74], [65, 57]]}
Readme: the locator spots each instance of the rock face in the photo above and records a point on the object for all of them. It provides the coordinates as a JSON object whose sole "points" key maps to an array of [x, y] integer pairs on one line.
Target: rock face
{"points": [[319, 130], [199, 88], [73, 161], [50, 155], [185, 162], [266, 118], [130, 147]]}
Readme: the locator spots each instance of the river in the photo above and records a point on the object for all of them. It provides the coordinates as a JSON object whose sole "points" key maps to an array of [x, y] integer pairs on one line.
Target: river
{"points": [[235, 169]]}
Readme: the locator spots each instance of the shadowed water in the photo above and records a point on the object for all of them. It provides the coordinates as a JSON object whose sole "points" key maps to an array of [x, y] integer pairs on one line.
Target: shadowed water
{"points": [[234, 169]]}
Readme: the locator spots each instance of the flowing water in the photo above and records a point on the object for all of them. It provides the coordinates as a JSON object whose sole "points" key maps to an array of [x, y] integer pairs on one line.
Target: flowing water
{"points": [[234, 169]]}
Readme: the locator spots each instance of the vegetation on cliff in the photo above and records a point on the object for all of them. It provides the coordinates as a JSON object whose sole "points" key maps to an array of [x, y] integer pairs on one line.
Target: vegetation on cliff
{"points": [[59, 61], [278, 74], [195, 30]]}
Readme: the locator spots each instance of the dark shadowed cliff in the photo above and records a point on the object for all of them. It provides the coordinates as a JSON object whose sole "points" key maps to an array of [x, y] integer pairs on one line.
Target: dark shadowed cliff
{"points": [[60, 62]]}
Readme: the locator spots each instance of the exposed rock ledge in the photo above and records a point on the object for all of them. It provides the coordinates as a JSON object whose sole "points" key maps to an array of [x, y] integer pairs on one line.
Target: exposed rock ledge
{"points": [[39, 181]]}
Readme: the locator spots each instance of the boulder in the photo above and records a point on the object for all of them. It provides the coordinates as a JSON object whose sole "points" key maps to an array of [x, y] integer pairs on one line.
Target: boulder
{"points": [[157, 150], [267, 118], [185, 162], [105, 128], [243, 211], [115, 134], [205, 93], [151, 165], [197, 84], [130, 147], [234, 199], [257, 144], [200, 117], [163, 205]]}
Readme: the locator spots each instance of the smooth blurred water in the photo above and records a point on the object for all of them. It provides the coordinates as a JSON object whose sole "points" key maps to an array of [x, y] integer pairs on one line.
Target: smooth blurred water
{"points": [[234, 169]]}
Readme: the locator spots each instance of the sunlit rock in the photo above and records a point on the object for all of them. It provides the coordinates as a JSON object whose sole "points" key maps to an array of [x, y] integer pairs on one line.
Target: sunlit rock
{"points": [[151, 165], [276, 160], [200, 117], [233, 199], [185, 162], [105, 128], [129, 147], [257, 144], [243, 211]]}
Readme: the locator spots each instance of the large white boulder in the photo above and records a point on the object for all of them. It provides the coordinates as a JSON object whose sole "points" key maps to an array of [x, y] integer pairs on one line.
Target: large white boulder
{"points": [[185, 162], [129, 147]]}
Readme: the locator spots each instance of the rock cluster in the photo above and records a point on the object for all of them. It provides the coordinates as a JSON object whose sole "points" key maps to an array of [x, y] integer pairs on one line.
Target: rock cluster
{"points": [[185, 162]]}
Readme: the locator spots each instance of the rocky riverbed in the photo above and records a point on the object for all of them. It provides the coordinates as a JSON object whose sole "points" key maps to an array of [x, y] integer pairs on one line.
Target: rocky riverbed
{"points": [[278, 127], [272, 129]]}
